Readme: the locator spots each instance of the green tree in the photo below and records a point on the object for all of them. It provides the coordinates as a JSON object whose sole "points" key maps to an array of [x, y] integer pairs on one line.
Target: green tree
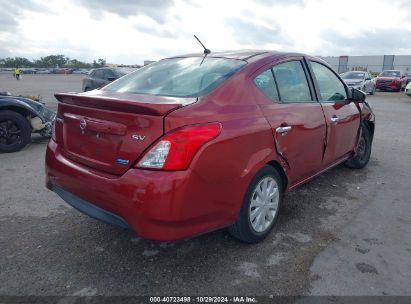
{"points": [[99, 63], [52, 61], [16, 62]]}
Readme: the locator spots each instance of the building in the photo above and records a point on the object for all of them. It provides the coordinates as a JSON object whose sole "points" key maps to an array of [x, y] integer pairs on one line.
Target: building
{"points": [[373, 64]]}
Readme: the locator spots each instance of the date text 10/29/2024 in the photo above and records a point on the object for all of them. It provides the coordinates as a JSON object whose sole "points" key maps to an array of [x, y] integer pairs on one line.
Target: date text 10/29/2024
{"points": [[205, 299]]}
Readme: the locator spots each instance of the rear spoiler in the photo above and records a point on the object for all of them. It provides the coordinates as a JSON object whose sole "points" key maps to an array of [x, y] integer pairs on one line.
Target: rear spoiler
{"points": [[124, 103]]}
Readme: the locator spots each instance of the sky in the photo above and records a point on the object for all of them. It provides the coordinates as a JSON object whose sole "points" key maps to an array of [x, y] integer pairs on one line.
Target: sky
{"points": [[131, 31]]}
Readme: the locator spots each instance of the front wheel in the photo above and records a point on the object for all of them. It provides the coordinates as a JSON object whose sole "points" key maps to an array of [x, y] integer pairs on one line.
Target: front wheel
{"points": [[260, 207], [15, 131], [372, 91], [363, 154]]}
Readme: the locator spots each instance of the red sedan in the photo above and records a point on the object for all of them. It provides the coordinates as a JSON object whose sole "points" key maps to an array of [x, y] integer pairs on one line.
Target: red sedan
{"points": [[192, 144], [391, 80]]}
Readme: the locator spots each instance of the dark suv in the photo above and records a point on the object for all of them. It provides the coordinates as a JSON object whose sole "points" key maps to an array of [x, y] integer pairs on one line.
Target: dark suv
{"points": [[100, 77]]}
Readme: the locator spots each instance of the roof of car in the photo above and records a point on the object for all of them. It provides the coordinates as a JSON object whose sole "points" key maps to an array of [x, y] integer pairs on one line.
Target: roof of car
{"points": [[240, 54]]}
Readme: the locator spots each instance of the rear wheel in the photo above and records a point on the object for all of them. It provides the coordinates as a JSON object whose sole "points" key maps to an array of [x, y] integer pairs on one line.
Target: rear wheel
{"points": [[362, 156], [260, 207], [372, 91], [15, 131]]}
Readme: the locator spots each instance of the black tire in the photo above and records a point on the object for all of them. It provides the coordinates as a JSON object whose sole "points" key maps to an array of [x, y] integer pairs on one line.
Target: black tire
{"points": [[362, 156], [242, 229], [372, 91], [15, 131]]}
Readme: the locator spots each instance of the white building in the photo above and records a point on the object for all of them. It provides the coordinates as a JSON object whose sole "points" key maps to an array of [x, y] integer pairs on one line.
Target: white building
{"points": [[374, 64]]}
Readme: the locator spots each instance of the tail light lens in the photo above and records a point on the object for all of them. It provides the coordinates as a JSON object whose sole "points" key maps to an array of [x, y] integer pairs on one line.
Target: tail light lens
{"points": [[175, 150]]}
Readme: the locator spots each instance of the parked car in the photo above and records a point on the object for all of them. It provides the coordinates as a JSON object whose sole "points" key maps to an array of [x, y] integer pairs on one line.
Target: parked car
{"points": [[102, 76], [44, 71], [407, 90], [407, 78], [360, 81], [19, 118], [390, 80], [191, 144]]}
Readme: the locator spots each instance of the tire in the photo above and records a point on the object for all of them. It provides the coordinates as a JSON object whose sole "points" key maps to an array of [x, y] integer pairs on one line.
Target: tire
{"points": [[253, 230], [15, 132], [373, 91], [362, 156]]}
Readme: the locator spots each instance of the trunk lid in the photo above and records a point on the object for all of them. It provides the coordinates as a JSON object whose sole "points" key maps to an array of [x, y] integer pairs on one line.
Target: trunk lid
{"points": [[109, 131]]}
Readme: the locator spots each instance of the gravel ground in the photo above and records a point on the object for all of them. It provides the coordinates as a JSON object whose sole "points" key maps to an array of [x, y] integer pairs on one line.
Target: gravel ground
{"points": [[346, 232]]}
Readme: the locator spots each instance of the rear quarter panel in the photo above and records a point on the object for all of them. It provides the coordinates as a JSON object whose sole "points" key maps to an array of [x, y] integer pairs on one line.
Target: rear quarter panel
{"points": [[227, 164]]}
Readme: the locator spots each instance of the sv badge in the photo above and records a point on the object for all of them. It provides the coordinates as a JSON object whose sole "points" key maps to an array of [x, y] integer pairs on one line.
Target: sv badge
{"points": [[138, 137]]}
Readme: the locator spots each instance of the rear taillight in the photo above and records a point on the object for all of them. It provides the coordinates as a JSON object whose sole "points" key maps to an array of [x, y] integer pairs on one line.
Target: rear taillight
{"points": [[176, 149]]}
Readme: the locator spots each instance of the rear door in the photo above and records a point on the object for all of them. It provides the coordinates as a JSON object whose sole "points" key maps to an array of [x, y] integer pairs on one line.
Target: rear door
{"points": [[342, 117], [296, 119], [98, 79]]}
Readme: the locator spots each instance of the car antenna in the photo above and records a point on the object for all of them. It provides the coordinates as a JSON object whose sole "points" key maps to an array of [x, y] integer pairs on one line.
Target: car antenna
{"points": [[206, 50]]}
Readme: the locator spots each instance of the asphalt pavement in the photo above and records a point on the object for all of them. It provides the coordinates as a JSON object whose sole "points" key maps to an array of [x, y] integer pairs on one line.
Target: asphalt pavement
{"points": [[346, 232]]}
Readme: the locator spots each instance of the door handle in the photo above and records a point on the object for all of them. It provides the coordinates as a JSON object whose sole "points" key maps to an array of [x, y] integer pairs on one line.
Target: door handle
{"points": [[282, 130], [334, 119]]}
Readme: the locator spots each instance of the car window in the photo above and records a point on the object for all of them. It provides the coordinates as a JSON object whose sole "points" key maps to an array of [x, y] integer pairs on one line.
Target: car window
{"points": [[98, 74], [390, 74], [178, 77], [265, 82], [292, 82], [353, 75], [109, 74], [331, 88]]}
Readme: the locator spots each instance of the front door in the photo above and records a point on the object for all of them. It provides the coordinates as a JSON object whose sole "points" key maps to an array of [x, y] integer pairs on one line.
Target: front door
{"points": [[342, 118], [296, 119]]}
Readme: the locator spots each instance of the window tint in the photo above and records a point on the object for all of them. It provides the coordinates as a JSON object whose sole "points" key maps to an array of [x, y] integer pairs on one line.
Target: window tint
{"points": [[98, 74], [291, 81], [179, 77], [331, 88], [109, 74], [265, 82]]}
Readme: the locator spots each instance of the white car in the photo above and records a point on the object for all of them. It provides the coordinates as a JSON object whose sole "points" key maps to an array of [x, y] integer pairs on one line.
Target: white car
{"points": [[407, 90], [359, 80]]}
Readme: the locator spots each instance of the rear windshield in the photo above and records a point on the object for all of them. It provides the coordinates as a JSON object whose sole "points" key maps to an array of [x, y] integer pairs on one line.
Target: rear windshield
{"points": [[351, 75], [391, 74], [178, 77]]}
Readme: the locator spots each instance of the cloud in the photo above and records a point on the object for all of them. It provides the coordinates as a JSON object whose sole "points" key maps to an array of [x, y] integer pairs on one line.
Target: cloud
{"points": [[7, 21], [155, 9], [255, 35], [279, 2], [12, 10], [155, 31], [367, 42]]}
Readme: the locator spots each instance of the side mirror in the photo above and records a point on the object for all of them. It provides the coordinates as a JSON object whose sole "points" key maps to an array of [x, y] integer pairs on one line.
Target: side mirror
{"points": [[357, 95], [368, 78]]}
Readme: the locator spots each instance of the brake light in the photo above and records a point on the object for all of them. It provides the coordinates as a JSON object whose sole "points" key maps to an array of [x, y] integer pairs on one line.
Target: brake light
{"points": [[175, 150]]}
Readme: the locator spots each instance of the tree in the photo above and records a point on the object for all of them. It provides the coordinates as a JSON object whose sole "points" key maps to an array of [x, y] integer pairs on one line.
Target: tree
{"points": [[16, 62], [52, 61], [99, 63]]}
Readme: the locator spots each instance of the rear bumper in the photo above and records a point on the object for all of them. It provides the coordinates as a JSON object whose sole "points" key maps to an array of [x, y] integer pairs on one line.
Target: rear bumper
{"points": [[157, 205], [90, 209]]}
